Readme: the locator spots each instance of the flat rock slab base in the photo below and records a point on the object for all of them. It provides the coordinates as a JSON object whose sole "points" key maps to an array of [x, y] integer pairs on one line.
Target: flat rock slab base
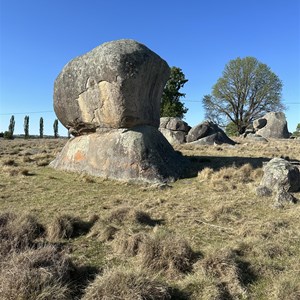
{"points": [[140, 154]]}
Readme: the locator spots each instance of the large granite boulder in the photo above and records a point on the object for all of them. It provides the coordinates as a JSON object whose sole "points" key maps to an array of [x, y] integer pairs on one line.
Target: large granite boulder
{"points": [[208, 133], [272, 125], [174, 129], [110, 100], [116, 85], [140, 154]]}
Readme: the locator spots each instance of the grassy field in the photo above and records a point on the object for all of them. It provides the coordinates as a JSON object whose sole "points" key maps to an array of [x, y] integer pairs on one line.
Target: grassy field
{"points": [[204, 237]]}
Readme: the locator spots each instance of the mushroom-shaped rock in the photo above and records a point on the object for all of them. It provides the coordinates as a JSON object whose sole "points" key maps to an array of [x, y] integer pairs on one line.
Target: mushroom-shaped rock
{"points": [[110, 100], [116, 85]]}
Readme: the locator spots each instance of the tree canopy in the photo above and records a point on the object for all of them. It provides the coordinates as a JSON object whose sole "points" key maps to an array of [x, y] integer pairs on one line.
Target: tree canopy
{"points": [[171, 105], [247, 90]]}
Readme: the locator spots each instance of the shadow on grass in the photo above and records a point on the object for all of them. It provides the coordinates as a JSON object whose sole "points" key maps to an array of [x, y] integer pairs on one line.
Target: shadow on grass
{"points": [[216, 163]]}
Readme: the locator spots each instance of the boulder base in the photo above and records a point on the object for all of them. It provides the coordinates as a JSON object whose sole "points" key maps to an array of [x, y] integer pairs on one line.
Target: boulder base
{"points": [[141, 154]]}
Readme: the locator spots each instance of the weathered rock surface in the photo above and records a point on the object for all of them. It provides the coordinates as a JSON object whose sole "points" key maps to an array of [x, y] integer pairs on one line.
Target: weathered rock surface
{"points": [[116, 85], [272, 125], [208, 133], [280, 174], [174, 129], [141, 154]]}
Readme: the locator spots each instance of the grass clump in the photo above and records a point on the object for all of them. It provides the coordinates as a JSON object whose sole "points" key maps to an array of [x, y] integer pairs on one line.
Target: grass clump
{"points": [[66, 226], [224, 267], [35, 274], [18, 232], [117, 284], [130, 244], [130, 215], [166, 252]]}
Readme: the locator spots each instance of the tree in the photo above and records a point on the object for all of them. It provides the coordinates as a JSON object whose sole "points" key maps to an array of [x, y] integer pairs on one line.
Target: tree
{"points": [[55, 128], [26, 127], [231, 129], [41, 127], [11, 126], [247, 90], [297, 132], [171, 106]]}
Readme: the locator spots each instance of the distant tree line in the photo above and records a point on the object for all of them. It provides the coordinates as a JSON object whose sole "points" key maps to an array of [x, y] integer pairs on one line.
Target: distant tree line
{"points": [[9, 134]]}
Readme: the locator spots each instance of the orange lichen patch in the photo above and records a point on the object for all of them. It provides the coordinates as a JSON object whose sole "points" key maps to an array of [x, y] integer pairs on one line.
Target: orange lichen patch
{"points": [[79, 156]]}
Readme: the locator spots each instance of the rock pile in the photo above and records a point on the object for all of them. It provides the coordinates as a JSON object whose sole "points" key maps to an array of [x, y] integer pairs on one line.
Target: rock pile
{"points": [[109, 99], [174, 130]]}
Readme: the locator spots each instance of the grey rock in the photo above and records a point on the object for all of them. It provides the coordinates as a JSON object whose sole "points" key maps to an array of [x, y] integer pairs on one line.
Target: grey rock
{"points": [[173, 137], [263, 191], [116, 85], [175, 124], [279, 174], [282, 196], [174, 129], [139, 154], [275, 126], [208, 133]]}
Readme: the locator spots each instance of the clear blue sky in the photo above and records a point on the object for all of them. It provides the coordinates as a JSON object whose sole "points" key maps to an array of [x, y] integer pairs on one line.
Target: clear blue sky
{"points": [[38, 37]]}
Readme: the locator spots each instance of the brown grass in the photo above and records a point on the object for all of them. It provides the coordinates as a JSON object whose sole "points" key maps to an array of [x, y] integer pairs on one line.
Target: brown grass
{"points": [[122, 284], [67, 226], [18, 232], [35, 274], [223, 266], [217, 210], [165, 252]]}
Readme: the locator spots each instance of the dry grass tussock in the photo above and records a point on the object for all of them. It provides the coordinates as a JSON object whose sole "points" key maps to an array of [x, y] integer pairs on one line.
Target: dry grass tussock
{"points": [[241, 175], [67, 226], [42, 273], [161, 251], [117, 284], [18, 232], [223, 266], [130, 215]]}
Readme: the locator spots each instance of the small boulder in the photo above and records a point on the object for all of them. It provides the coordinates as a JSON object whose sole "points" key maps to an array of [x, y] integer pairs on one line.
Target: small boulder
{"points": [[256, 138], [272, 125], [280, 174], [208, 133]]}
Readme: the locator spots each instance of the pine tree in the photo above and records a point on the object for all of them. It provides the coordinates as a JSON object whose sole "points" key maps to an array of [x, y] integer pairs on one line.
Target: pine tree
{"points": [[41, 127], [55, 128], [26, 127]]}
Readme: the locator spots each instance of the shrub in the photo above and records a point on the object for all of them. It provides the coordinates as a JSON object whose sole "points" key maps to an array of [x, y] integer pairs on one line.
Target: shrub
{"points": [[8, 135], [121, 284]]}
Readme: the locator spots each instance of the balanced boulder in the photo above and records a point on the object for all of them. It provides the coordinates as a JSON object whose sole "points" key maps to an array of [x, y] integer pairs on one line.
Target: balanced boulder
{"points": [[109, 99], [272, 125], [116, 85], [174, 129], [208, 133]]}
